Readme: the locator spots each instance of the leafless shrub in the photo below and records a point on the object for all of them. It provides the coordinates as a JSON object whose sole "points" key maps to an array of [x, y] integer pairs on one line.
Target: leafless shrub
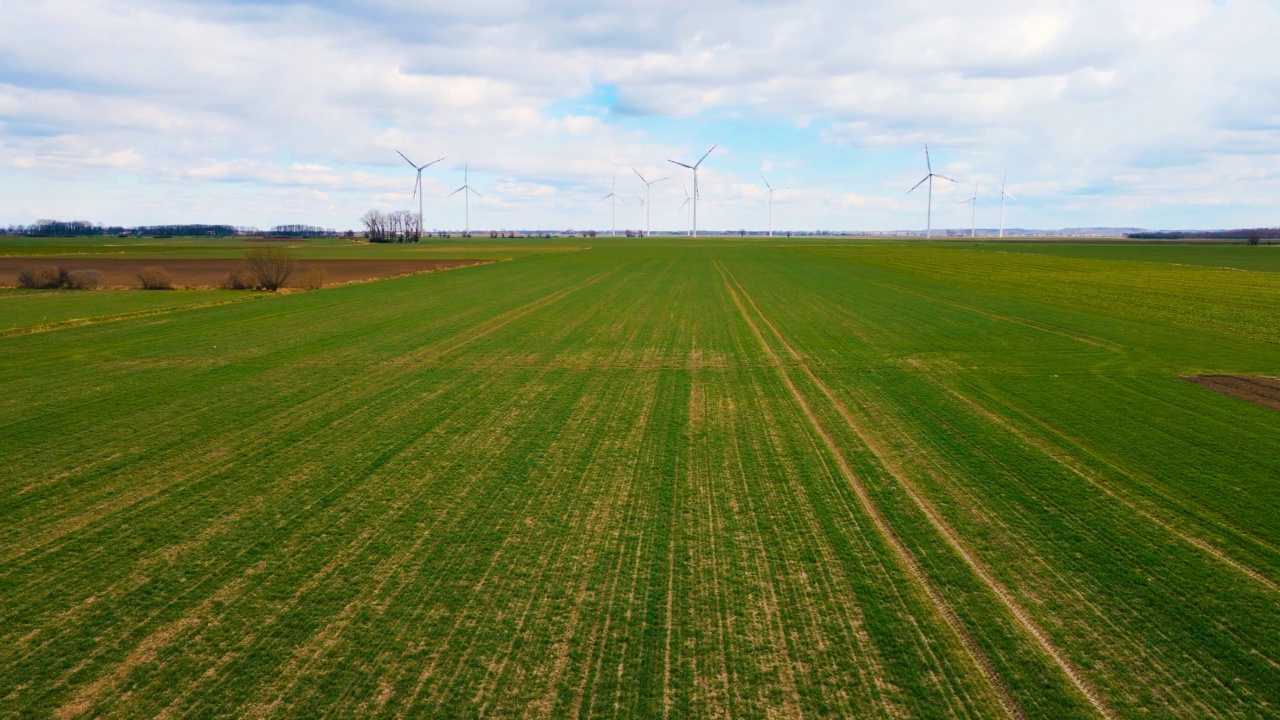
{"points": [[240, 279], [154, 278], [315, 278], [41, 277], [85, 279], [271, 267]]}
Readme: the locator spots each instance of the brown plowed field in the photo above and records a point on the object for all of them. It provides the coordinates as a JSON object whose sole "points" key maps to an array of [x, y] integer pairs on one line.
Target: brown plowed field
{"points": [[1260, 390], [201, 272]]}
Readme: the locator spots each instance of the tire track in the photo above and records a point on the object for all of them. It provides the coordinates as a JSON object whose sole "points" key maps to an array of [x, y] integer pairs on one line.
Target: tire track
{"points": [[948, 534], [904, 555], [1066, 461]]}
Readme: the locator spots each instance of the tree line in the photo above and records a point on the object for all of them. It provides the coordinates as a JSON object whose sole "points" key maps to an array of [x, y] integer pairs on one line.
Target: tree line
{"points": [[394, 226], [84, 228], [1250, 235]]}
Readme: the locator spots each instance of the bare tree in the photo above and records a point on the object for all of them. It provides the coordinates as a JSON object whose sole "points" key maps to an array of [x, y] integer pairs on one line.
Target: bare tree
{"points": [[270, 266]]}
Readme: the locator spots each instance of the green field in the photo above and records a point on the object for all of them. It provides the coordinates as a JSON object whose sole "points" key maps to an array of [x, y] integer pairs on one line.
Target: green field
{"points": [[663, 479]]}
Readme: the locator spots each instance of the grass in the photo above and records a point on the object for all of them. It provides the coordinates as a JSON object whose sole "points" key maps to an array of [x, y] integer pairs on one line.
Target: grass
{"points": [[31, 310], [657, 479]]}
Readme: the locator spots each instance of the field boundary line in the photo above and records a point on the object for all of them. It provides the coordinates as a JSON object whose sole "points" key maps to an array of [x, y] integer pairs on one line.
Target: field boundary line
{"points": [[81, 322], [1001, 592], [907, 559], [1064, 460]]}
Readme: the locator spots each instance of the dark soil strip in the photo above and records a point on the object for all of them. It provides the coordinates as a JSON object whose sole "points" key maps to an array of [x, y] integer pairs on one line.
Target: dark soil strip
{"points": [[1259, 390], [209, 273]]}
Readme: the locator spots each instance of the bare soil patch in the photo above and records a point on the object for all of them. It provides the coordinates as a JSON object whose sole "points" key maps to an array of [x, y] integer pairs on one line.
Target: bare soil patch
{"points": [[210, 272], [1259, 390]]}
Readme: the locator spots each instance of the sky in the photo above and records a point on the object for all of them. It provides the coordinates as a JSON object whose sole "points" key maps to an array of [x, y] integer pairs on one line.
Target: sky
{"points": [[1158, 114]]}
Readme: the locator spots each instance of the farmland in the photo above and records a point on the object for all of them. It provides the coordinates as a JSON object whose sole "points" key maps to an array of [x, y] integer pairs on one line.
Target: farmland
{"points": [[652, 478]]}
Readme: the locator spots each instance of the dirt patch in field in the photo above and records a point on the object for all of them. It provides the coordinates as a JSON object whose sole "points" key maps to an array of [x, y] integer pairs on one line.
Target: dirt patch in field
{"points": [[1259, 390], [209, 273], [276, 239]]}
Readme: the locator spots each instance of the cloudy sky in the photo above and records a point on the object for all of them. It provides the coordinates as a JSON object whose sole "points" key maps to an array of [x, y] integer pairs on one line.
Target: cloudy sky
{"points": [[1142, 113]]}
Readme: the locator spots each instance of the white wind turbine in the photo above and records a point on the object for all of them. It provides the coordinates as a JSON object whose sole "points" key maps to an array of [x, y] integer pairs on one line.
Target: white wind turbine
{"points": [[766, 184], [645, 202], [614, 204], [688, 222], [417, 186], [694, 168], [928, 232], [1003, 195], [973, 229], [466, 191]]}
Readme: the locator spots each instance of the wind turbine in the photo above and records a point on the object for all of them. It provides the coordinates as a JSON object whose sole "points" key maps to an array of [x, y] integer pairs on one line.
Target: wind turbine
{"points": [[928, 232], [1003, 195], [645, 202], [973, 230], [766, 184], [466, 191], [694, 168], [614, 205], [417, 186], [688, 223]]}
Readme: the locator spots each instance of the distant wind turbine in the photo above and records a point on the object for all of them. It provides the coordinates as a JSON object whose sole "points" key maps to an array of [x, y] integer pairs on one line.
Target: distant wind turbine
{"points": [[928, 232], [466, 191], [694, 168], [688, 223], [766, 184], [1003, 195], [973, 230], [647, 184], [417, 186], [614, 204]]}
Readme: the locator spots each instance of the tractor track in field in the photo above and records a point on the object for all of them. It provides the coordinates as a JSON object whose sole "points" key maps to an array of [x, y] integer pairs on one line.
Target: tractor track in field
{"points": [[472, 334], [906, 558], [81, 322], [1069, 463], [1002, 593]]}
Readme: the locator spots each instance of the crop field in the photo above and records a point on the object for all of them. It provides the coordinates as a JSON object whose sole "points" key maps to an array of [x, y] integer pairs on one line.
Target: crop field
{"points": [[663, 479]]}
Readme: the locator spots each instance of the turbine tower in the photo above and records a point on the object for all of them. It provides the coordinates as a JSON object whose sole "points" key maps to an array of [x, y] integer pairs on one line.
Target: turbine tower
{"points": [[766, 184], [417, 186], [694, 168], [973, 229], [1003, 195], [928, 231], [647, 185], [614, 205], [688, 222], [466, 191]]}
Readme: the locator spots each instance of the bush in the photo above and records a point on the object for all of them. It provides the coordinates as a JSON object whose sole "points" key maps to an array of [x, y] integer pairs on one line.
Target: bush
{"points": [[41, 277], [271, 267], [315, 278], [239, 280], [154, 278], [83, 279]]}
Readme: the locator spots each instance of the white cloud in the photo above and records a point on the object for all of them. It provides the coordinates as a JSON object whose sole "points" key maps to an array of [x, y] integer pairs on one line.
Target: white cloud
{"points": [[1127, 112]]}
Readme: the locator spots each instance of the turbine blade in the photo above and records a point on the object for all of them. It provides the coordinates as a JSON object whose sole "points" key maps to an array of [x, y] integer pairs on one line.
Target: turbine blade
{"points": [[637, 172], [477, 192], [455, 192], [944, 177], [433, 162], [606, 197], [680, 164], [927, 161], [406, 159], [655, 182], [1009, 195], [913, 187], [704, 156], [766, 181]]}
